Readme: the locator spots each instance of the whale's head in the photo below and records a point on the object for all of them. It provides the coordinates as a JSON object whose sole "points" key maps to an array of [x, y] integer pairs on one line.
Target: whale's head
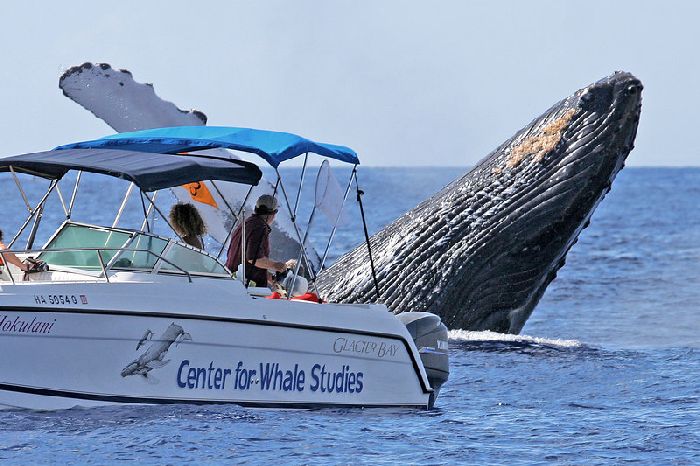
{"points": [[540, 190], [481, 252]]}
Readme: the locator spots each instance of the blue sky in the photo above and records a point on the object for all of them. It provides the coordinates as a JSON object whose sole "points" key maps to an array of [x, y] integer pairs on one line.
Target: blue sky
{"points": [[401, 82]]}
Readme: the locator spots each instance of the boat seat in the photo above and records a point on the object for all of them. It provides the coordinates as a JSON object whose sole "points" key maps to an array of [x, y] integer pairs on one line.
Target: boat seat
{"points": [[5, 273]]}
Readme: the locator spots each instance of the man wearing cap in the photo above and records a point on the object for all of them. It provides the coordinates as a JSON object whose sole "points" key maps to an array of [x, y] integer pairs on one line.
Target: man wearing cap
{"points": [[257, 241]]}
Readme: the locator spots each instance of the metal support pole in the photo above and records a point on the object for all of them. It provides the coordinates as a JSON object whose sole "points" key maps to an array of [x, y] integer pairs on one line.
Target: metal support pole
{"points": [[37, 220], [301, 183], [145, 213], [38, 215], [75, 193], [63, 202], [123, 205], [153, 205], [243, 248], [21, 191], [102, 264], [298, 266], [32, 213], [312, 272], [335, 225], [149, 212]]}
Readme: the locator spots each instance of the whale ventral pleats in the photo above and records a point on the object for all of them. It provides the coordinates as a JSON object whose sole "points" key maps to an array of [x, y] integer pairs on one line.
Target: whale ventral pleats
{"points": [[540, 144], [481, 252]]}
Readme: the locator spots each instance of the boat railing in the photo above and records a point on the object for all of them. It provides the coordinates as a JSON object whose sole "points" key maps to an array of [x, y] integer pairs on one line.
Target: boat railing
{"points": [[111, 264]]}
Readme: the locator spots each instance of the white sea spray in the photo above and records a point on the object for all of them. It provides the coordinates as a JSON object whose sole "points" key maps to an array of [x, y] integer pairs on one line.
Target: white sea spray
{"points": [[487, 335]]}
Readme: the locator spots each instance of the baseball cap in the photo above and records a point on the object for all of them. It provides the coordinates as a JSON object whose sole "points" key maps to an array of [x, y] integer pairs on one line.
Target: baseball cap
{"points": [[266, 205]]}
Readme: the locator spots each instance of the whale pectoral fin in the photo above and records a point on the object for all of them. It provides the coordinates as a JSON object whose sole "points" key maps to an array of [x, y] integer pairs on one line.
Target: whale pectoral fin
{"points": [[184, 337]]}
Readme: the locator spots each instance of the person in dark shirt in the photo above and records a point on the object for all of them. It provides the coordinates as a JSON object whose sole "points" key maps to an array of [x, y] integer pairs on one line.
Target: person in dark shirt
{"points": [[257, 244]]}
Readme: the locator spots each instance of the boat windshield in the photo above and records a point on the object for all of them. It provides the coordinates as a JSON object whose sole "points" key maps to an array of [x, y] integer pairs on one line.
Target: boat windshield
{"points": [[92, 248], [80, 246]]}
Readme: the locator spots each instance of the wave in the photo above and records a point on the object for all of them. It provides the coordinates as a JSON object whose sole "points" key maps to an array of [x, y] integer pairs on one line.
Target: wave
{"points": [[488, 336]]}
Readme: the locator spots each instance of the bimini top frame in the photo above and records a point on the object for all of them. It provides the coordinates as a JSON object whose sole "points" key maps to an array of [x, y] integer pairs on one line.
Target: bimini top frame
{"points": [[274, 147], [148, 171], [153, 159]]}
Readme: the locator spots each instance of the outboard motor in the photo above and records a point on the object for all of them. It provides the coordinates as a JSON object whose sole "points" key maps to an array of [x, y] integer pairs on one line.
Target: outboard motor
{"points": [[430, 336]]}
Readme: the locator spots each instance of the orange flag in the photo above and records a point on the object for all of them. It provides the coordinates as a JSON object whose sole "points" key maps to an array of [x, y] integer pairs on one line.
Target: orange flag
{"points": [[200, 193]]}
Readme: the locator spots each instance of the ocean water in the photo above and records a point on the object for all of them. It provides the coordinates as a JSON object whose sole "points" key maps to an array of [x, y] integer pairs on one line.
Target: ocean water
{"points": [[606, 371]]}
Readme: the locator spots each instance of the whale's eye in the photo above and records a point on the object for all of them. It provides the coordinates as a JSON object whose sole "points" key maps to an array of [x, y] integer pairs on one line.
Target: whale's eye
{"points": [[632, 89]]}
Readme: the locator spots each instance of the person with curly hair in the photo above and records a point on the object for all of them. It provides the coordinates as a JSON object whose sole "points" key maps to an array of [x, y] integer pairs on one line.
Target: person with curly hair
{"points": [[10, 257], [188, 224]]}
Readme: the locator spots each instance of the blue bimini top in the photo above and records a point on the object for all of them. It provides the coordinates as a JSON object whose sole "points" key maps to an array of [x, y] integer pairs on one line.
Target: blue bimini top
{"points": [[274, 147]]}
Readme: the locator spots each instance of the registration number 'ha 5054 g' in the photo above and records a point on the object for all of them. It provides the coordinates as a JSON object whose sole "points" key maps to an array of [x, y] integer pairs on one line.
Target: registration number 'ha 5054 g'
{"points": [[59, 299]]}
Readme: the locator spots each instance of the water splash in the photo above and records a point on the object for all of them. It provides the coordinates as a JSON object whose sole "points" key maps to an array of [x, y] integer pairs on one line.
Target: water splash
{"points": [[487, 335]]}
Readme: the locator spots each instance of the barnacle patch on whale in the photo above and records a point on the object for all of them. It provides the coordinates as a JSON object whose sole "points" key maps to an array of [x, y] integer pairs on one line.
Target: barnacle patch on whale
{"points": [[540, 144]]}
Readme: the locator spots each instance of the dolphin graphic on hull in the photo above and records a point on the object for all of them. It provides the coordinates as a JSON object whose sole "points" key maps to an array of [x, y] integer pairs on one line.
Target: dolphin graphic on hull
{"points": [[153, 357], [481, 252]]}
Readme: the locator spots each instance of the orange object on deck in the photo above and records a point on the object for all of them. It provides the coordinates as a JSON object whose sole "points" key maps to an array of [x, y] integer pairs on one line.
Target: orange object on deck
{"points": [[313, 297]]}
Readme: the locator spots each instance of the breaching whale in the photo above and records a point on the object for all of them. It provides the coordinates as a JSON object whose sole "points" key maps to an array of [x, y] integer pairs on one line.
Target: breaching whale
{"points": [[481, 252]]}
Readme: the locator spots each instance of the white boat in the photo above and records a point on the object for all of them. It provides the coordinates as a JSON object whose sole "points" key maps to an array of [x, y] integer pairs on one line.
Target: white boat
{"points": [[128, 316]]}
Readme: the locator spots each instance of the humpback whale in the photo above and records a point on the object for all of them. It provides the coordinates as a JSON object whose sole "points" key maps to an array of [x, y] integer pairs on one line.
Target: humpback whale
{"points": [[481, 252]]}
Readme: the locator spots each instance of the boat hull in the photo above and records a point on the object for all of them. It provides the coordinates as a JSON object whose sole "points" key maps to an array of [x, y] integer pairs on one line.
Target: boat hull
{"points": [[61, 358]]}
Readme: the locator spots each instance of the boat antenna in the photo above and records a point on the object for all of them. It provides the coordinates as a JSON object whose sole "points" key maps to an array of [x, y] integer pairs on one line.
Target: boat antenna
{"points": [[360, 193]]}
